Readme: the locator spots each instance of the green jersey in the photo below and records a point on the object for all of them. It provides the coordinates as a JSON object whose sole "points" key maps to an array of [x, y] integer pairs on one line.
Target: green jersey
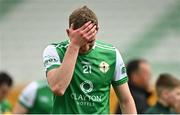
{"points": [[37, 98], [95, 71], [5, 107], [159, 109]]}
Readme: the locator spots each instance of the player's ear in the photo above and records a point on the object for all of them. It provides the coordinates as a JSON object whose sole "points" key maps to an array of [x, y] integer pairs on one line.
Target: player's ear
{"points": [[70, 29], [67, 31]]}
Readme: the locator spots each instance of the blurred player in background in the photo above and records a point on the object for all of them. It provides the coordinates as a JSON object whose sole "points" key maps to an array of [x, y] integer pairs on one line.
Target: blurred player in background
{"points": [[174, 99], [139, 73], [36, 98], [6, 83], [165, 86], [81, 70]]}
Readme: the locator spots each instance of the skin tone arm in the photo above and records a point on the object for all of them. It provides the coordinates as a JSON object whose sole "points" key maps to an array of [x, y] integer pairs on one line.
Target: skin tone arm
{"points": [[19, 109], [59, 78], [127, 104]]}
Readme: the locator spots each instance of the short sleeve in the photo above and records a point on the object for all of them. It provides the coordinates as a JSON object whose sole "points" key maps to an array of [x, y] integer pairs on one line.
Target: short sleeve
{"points": [[120, 75], [51, 58], [28, 95]]}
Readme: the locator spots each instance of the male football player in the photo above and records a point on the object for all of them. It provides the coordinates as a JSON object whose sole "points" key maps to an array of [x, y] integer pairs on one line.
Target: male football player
{"points": [[81, 70]]}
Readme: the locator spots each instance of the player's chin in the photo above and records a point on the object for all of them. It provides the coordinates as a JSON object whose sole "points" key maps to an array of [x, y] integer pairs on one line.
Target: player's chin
{"points": [[91, 43], [86, 47]]}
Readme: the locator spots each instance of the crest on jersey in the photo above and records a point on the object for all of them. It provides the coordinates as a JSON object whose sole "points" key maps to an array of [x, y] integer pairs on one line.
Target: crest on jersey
{"points": [[86, 86], [104, 67]]}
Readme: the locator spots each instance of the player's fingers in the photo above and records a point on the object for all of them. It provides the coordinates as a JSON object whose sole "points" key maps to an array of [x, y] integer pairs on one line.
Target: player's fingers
{"points": [[85, 25], [92, 30], [88, 28], [91, 37]]}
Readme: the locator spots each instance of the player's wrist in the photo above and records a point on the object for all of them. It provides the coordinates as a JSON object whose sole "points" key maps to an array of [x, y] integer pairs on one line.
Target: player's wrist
{"points": [[74, 45]]}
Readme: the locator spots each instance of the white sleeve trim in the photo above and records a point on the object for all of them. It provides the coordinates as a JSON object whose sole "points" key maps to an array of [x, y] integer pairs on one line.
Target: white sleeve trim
{"points": [[119, 74], [50, 57], [28, 95]]}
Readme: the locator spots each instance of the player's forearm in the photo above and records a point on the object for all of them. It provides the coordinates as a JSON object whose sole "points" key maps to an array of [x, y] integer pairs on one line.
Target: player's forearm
{"points": [[126, 100], [60, 78], [128, 106]]}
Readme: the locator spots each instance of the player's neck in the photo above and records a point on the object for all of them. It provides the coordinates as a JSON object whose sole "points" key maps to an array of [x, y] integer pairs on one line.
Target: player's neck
{"points": [[85, 49]]}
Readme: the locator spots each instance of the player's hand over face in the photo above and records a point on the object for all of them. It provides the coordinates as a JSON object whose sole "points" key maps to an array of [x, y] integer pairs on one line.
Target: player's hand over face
{"points": [[83, 35]]}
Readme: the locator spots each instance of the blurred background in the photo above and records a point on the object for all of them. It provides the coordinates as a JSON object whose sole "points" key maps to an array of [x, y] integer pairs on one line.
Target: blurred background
{"points": [[139, 29]]}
